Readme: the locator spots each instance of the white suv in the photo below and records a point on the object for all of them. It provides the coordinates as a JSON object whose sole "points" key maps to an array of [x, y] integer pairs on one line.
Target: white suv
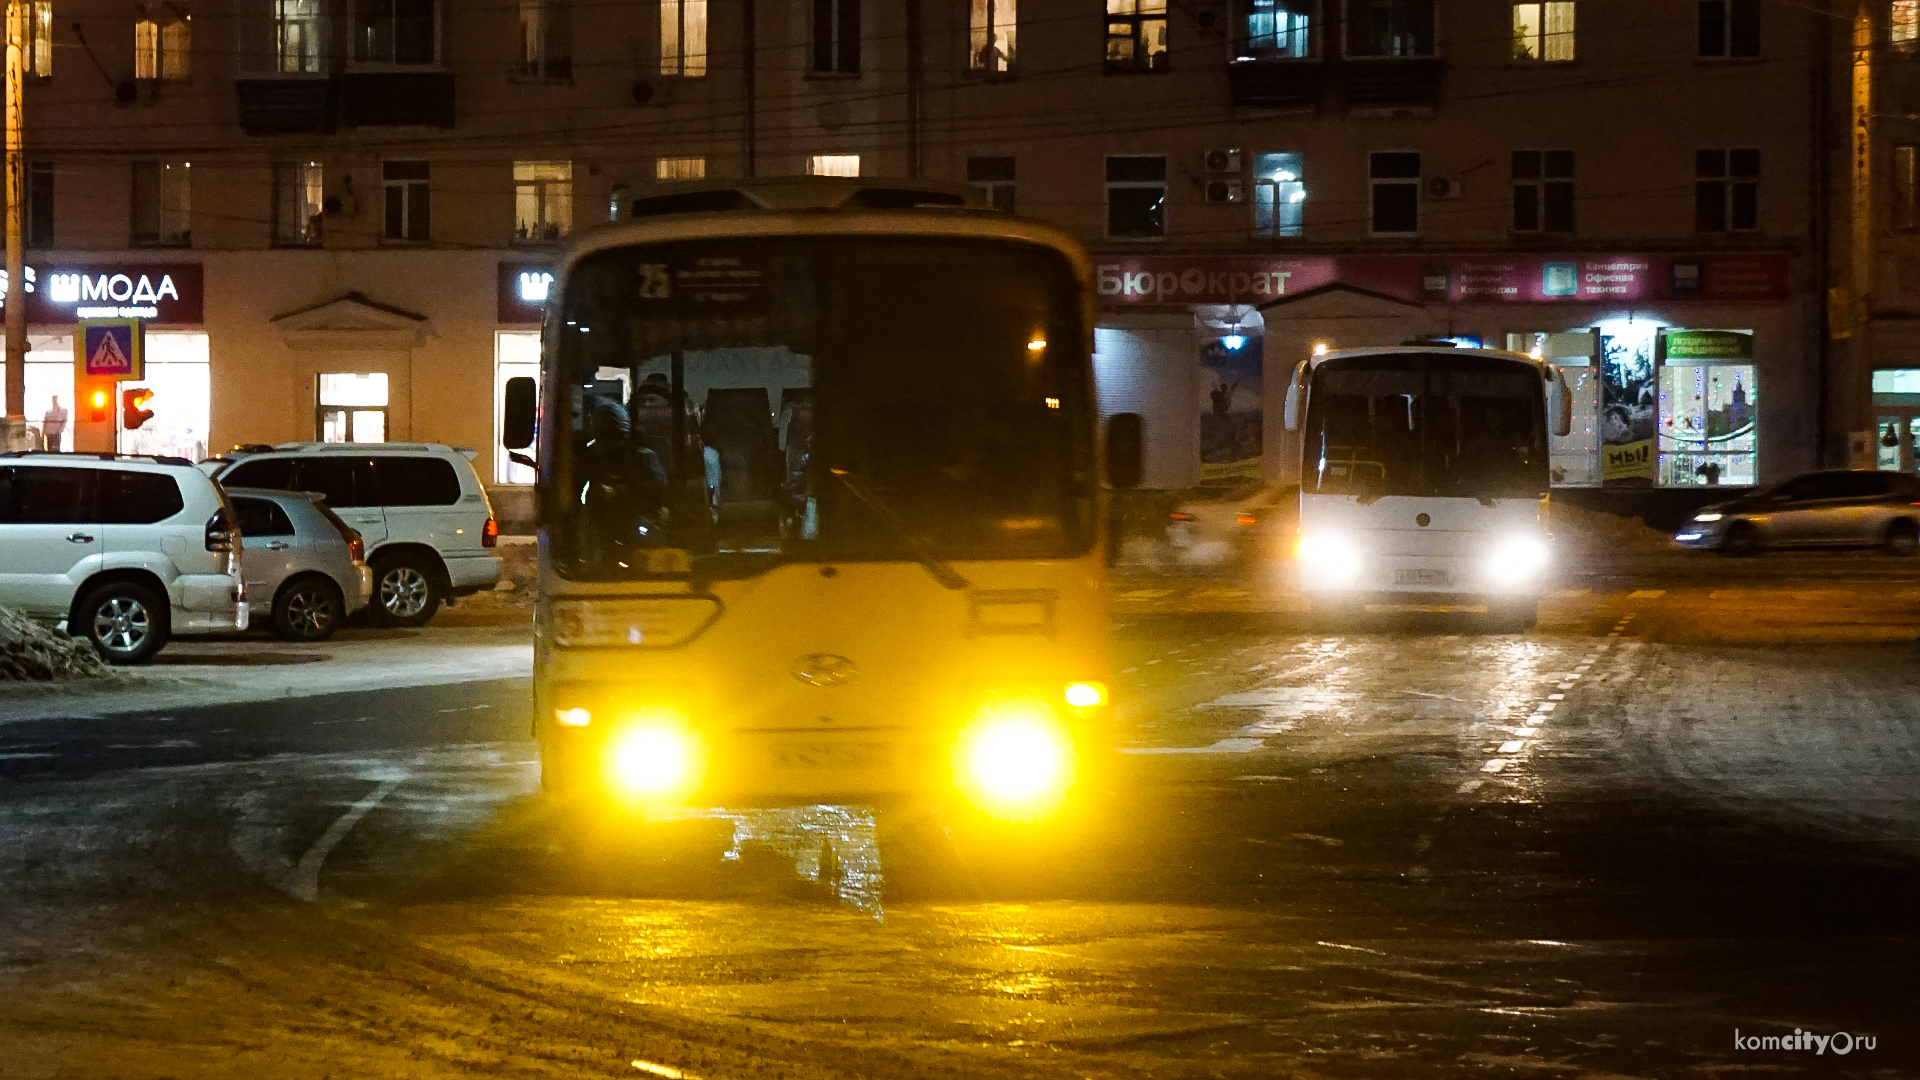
{"points": [[420, 507], [122, 550]]}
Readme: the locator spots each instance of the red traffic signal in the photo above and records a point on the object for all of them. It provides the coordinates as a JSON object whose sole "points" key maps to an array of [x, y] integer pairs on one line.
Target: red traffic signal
{"points": [[98, 406], [132, 413]]}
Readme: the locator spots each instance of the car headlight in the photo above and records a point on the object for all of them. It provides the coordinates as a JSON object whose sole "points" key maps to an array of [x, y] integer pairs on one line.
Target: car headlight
{"points": [[1517, 558], [1329, 557], [653, 759], [1709, 516], [1016, 760]]}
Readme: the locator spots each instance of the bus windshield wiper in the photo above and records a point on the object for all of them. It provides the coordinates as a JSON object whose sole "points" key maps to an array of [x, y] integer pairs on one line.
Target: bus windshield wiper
{"points": [[942, 573]]}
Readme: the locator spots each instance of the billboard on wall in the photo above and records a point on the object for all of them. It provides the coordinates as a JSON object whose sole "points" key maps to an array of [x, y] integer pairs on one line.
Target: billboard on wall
{"points": [[1627, 414], [1231, 411]]}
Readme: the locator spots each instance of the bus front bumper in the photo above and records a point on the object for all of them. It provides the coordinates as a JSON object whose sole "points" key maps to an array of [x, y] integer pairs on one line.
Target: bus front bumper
{"points": [[1394, 578]]}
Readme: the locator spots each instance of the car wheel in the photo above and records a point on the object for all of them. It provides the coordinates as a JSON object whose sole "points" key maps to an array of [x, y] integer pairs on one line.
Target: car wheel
{"points": [[406, 590], [125, 622], [307, 610], [1903, 539], [1741, 541], [1513, 616]]}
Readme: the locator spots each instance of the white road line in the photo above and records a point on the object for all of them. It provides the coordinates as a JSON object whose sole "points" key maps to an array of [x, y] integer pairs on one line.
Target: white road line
{"points": [[304, 882], [1513, 746], [1495, 765]]}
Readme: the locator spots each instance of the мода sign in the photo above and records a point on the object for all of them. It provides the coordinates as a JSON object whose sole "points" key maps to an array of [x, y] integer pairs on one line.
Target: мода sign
{"points": [[1515, 278], [156, 292]]}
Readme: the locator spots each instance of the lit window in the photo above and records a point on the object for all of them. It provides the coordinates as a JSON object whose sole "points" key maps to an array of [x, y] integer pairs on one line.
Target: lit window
{"points": [[516, 353], [833, 165], [1729, 27], [680, 168], [836, 37], [299, 37], [993, 175], [992, 29], [162, 41], [1543, 31], [1906, 188], [1394, 178], [39, 59], [396, 32], [353, 407], [1726, 191], [1279, 195], [162, 203], [298, 198], [1278, 30], [1390, 28], [1543, 191], [683, 38], [1903, 24], [1136, 35], [542, 201], [407, 211], [546, 39], [1137, 197]]}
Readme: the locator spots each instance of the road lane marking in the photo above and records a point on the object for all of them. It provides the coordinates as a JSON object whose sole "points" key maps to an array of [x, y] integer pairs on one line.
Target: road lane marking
{"points": [[1646, 594], [1494, 765], [304, 882], [667, 1071]]}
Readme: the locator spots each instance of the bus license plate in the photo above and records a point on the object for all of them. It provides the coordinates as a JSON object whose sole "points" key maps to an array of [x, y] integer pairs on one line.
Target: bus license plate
{"points": [[800, 755], [1422, 577]]}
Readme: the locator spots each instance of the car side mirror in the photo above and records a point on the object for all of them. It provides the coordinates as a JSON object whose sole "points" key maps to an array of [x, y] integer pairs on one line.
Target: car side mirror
{"points": [[1559, 403], [517, 419], [1126, 450]]}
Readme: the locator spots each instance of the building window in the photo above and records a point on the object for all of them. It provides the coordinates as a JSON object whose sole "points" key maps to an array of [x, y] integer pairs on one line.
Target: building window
{"points": [[1709, 415], [1390, 28], [679, 168], [40, 204], [1395, 198], [1726, 191], [1137, 197], [1543, 191], [1278, 30], [1906, 188], [162, 203], [546, 39], [396, 32], [1543, 31], [39, 58], [542, 201], [1279, 195], [1903, 25], [516, 354], [353, 407], [833, 165], [836, 37], [993, 175], [299, 37], [407, 215], [683, 38], [1136, 35], [298, 197], [993, 29], [1729, 27], [162, 41]]}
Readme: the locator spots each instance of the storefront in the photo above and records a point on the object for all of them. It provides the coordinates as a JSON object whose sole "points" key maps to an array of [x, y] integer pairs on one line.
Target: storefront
{"points": [[1666, 355]]}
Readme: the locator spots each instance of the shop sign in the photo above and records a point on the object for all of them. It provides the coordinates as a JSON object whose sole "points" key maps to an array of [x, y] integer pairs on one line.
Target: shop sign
{"points": [[110, 349], [1707, 345], [1133, 280], [1627, 461], [61, 294], [521, 292]]}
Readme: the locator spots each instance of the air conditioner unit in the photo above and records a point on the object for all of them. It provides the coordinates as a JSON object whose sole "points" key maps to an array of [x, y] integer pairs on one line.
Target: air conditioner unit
{"points": [[1444, 187], [1226, 191], [1223, 161]]}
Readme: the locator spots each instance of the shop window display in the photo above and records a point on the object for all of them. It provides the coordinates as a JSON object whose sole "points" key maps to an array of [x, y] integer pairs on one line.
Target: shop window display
{"points": [[177, 373], [515, 353], [1709, 425], [1575, 456]]}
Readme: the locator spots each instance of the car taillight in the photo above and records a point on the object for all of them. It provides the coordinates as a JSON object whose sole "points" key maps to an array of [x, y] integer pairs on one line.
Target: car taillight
{"points": [[219, 531], [357, 545], [1245, 519], [1179, 516], [490, 535]]}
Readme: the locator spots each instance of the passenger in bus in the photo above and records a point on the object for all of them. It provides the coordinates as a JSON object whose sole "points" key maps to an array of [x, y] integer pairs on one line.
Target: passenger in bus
{"points": [[625, 496]]}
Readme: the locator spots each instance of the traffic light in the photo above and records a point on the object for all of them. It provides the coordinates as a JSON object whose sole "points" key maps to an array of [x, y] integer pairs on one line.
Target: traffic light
{"points": [[98, 412], [132, 415]]}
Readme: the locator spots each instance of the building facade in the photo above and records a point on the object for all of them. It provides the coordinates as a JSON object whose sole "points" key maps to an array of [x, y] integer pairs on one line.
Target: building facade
{"points": [[353, 201]]}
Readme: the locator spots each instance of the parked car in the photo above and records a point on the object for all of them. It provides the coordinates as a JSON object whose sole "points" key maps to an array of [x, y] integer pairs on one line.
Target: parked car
{"points": [[428, 527], [1241, 527], [123, 550], [1839, 508], [305, 568]]}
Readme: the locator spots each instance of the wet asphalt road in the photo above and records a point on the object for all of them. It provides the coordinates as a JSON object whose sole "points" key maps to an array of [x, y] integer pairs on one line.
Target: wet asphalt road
{"points": [[1688, 804]]}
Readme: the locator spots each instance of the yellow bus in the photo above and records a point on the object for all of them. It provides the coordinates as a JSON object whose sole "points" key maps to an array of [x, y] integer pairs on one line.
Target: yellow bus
{"points": [[819, 502]]}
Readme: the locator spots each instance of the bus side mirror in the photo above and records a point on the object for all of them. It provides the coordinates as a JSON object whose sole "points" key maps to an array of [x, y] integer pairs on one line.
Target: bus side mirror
{"points": [[1126, 450], [1295, 391], [1559, 403], [516, 421]]}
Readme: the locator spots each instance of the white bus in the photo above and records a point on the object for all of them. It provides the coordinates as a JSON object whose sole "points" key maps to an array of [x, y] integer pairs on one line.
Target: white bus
{"points": [[819, 502], [1424, 477]]}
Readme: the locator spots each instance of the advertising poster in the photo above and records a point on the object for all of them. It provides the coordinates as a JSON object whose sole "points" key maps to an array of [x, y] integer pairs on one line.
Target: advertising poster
{"points": [[1231, 409], [1627, 419]]}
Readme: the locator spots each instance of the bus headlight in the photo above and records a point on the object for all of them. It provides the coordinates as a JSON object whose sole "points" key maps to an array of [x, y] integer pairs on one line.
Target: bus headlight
{"points": [[1329, 558], [1016, 760], [652, 759], [1517, 559]]}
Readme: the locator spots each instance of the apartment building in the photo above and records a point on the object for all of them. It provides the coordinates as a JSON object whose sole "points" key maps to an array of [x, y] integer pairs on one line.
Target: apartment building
{"points": [[336, 214]]}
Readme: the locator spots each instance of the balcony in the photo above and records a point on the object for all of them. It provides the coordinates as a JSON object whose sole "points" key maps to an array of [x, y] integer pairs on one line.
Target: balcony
{"points": [[397, 98], [285, 104], [1275, 84], [1386, 83]]}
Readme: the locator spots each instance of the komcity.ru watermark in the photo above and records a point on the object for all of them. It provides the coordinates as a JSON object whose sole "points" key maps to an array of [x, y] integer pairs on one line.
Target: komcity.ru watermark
{"points": [[1839, 1042]]}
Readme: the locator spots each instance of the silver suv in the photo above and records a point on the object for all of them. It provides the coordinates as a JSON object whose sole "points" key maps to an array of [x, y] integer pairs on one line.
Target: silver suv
{"points": [[122, 550], [303, 564], [428, 526]]}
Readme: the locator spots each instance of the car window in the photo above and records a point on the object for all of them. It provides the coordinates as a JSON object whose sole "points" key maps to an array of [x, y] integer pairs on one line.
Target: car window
{"points": [[345, 481], [1827, 485], [417, 481], [41, 495], [275, 473], [261, 517], [137, 498]]}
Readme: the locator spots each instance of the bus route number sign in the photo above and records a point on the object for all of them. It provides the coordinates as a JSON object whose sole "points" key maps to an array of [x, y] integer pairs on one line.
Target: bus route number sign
{"points": [[706, 283]]}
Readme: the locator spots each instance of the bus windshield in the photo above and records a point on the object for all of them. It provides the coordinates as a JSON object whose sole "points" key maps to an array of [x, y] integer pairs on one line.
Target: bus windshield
{"points": [[1426, 424], [724, 404]]}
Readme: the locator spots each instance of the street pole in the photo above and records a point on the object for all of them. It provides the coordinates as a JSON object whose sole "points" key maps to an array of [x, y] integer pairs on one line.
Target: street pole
{"points": [[15, 435], [1852, 400]]}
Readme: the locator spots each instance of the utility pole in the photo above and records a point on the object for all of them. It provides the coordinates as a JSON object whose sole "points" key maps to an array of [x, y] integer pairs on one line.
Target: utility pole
{"points": [[15, 434], [1851, 401]]}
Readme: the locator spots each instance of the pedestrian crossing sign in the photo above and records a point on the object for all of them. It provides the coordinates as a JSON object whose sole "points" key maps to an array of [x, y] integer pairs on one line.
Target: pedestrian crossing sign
{"points": [[110, 349]]}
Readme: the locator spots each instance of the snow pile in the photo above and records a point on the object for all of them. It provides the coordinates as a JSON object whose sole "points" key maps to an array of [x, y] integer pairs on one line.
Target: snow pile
{"points": [[34, 652], [1595, 532]]}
